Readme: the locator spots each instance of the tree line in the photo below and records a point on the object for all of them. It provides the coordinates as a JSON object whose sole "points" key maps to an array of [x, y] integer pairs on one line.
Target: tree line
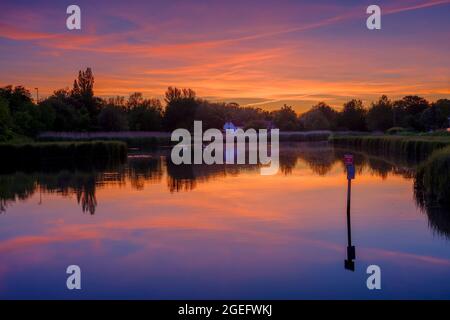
{"points": [[78, 109]]}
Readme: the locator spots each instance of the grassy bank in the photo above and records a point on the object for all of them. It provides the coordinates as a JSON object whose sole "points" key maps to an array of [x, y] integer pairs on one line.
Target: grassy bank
{"points": [[131, 142], [131, 138], [161, 139], [31, 154], [413, 147], [433, 178]]}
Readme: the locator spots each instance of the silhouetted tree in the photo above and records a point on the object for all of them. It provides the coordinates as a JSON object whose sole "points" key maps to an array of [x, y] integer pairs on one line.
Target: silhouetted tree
{"points": [[380, 115], [407, 111], [118, 101], [83, 94], [181, 108], [19, 98], [134, 100], [83, 86], [26, 117], [444, 106], [285, 119], [5, 121], [433, 118], [314, 120], [353, 116], [145, 115], [113, 118], [66, 117], [319, 117], [213, 115]]}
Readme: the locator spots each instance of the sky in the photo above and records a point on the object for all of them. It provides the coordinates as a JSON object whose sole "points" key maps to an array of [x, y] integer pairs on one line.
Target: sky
{"points": [[262, 53]]}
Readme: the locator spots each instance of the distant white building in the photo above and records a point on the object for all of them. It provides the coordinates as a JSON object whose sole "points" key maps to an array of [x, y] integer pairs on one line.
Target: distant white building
{"points": [[229, 126]]}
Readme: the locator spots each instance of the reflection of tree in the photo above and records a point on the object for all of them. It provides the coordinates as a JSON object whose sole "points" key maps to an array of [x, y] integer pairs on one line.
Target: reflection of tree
{"points": [[180, 177], [143, 169], [185, 177], [82, 182], [288, 161], [19, 186], [85, 192], [320, 160], [149, 168], [380, 166], [438, 215]]}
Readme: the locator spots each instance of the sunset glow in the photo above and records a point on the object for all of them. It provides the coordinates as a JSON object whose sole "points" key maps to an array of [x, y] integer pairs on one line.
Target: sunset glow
{"points": [[253, 52]]}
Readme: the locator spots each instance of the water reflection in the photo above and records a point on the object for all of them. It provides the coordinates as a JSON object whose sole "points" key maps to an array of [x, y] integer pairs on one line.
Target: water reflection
{"points": [[351, 250], [154, 167]]}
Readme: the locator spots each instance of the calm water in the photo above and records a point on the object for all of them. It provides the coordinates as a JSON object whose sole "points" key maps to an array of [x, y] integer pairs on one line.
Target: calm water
{"points": [[150, 229]]}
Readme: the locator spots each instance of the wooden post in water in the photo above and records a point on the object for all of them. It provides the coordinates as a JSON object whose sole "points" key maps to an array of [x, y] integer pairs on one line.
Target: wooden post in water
{"points": [[351, 252]]}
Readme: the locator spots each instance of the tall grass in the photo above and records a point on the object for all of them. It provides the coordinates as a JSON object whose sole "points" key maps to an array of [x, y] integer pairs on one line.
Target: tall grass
{"points": [[413, 147], [31, 154], [131, 138], [130, 141], [311, 136], [433, 179]]}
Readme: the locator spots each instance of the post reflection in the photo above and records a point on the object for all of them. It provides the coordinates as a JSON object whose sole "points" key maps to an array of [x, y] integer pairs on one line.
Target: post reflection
{"points": [[349, 263]]}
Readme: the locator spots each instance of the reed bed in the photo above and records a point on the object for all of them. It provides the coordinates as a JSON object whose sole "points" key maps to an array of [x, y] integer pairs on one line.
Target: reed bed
{"points": [[433, 178], [61, 152], [413, 147]]}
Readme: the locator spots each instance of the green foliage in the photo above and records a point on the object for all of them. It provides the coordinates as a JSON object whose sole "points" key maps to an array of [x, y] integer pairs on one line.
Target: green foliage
{"points": [[444, 107], [380, 115], [113, 118], [413, 147], [408, 111], [146, 116], [17, 97], [285, 119], [319, 117], [78, 109], [66, 114], [433, 178], [353, 116], [181, 108], [5, 121], [214, 115], [314, 120], [28, 153], [433, 118]]}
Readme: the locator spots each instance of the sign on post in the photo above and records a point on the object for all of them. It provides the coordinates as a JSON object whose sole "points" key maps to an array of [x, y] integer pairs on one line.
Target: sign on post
{"points": [[348, 159]]}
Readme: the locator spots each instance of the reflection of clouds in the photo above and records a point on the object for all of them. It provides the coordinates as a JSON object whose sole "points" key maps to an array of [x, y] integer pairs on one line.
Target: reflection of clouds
{"points": [[303, 167], [266, 226], [399, 256], [438, 216]]}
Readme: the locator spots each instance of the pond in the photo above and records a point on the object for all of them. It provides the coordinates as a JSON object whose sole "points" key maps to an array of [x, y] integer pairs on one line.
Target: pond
{"points": [[153, 230]]}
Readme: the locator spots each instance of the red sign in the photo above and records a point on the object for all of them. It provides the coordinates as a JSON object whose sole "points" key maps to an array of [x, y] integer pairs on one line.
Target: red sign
{"points": [[348, 159]]}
